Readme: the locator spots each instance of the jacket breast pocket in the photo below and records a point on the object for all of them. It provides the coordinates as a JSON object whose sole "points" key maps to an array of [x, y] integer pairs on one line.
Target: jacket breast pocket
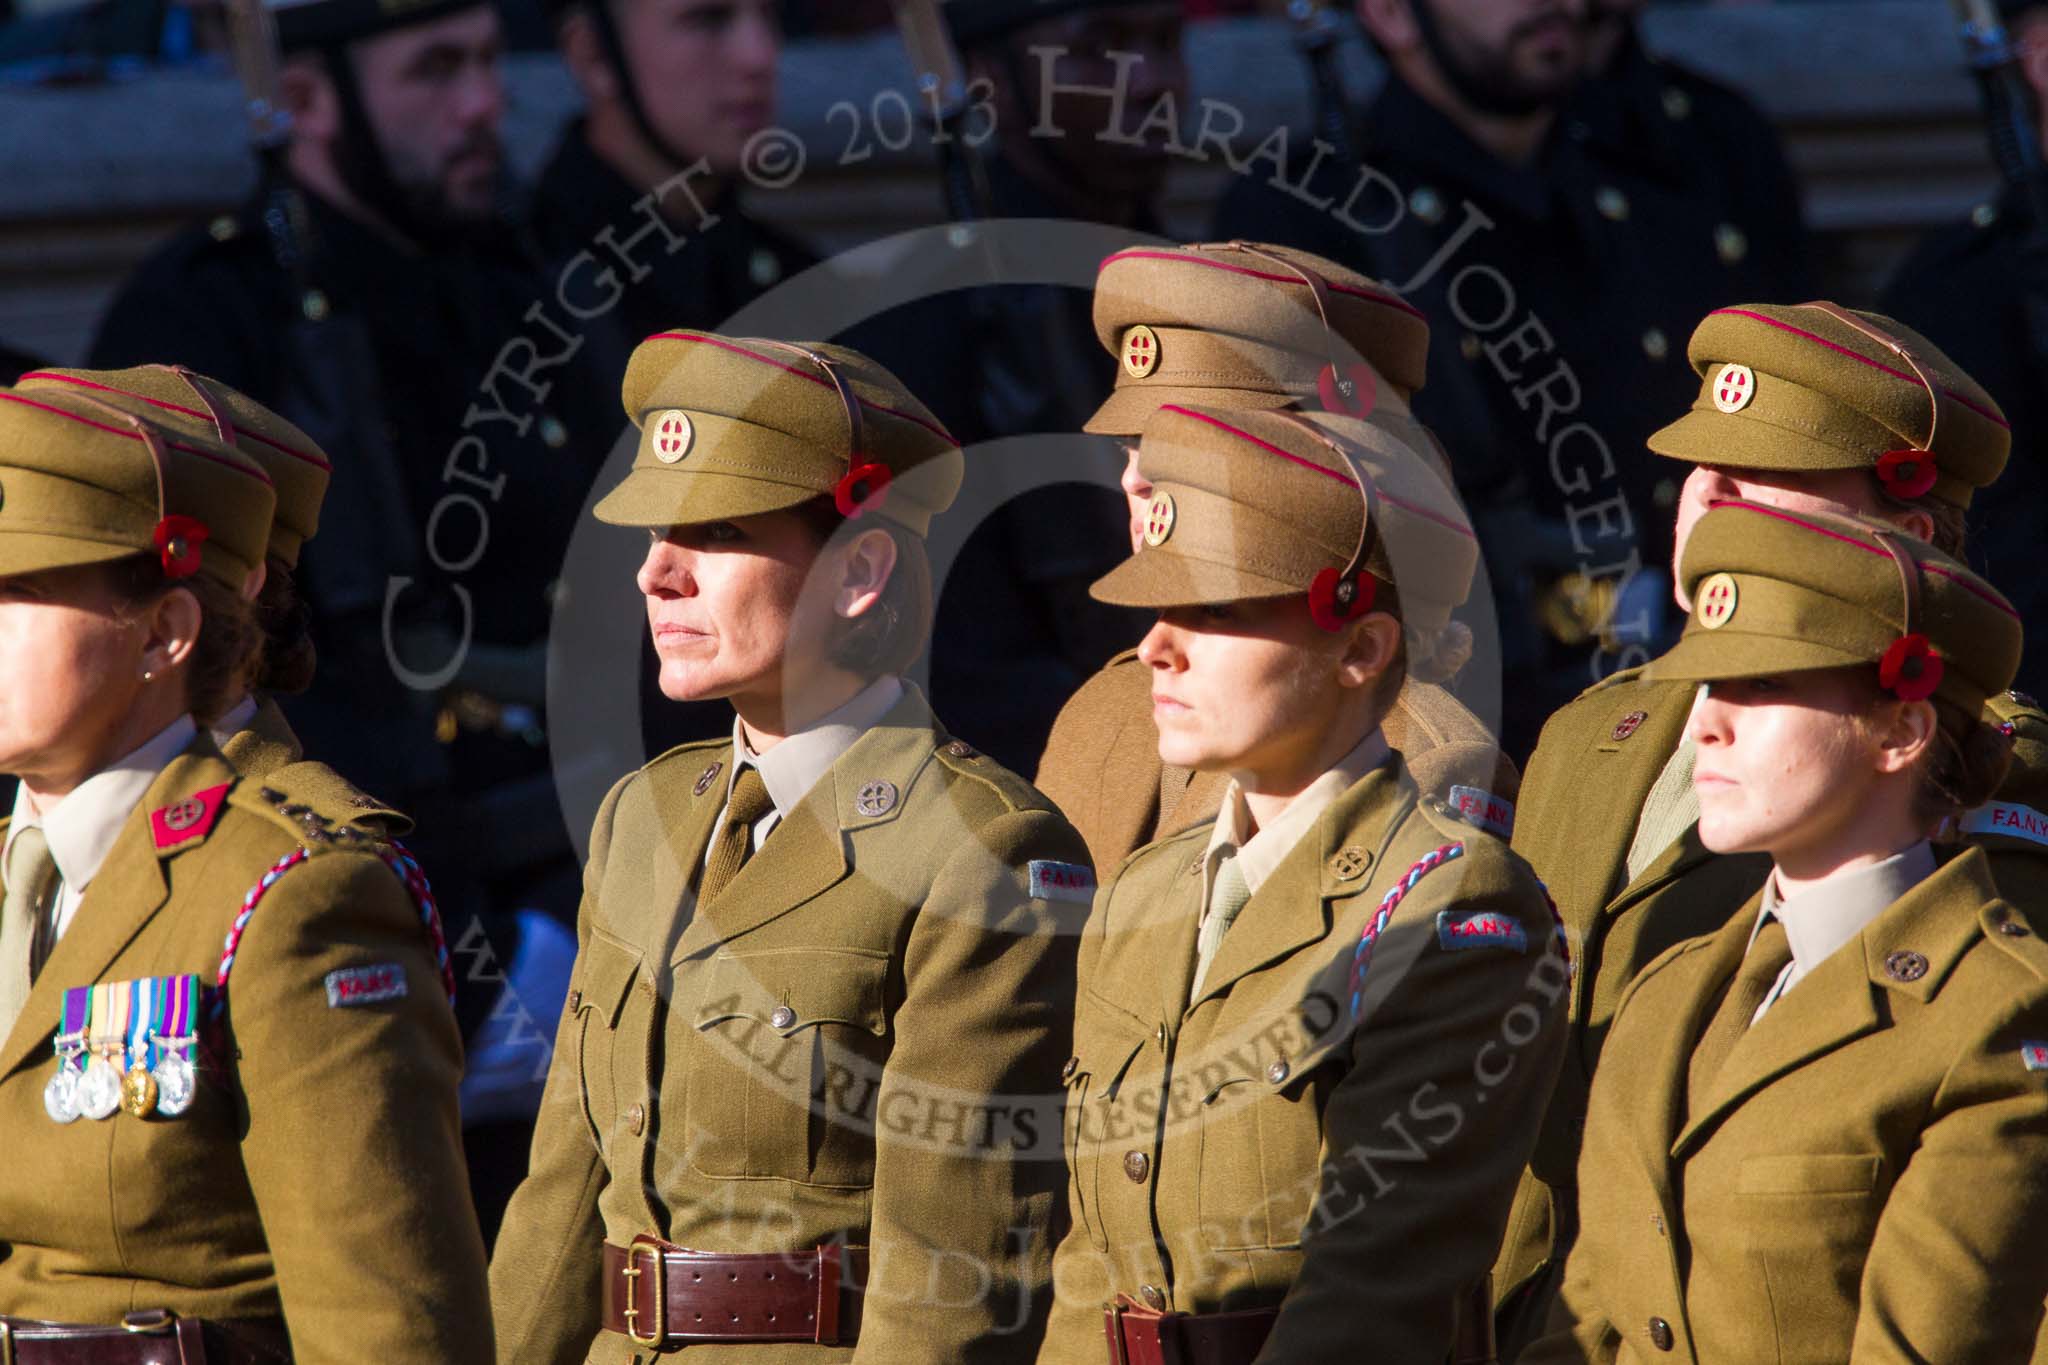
{"points": [[1262, 1145], [1808, 1220], [604, 975], [785, 1075], [1101, 1118]]}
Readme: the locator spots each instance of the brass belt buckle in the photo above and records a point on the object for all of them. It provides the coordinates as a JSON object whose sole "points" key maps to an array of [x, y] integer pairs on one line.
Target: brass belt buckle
{"points": [[1118, 1353], [633, 1273], [150, 1322]]}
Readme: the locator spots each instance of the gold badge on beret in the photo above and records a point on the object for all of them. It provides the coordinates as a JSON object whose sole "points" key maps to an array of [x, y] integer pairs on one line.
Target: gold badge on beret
{"points": [[1140, 351], [673, 433], [1714, 604], [1734, 386], [1159, 518]]}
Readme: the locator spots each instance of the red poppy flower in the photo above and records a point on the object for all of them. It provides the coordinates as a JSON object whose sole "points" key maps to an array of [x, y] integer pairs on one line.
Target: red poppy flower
{"points": [[1906, 474], [1332, 606], [861, 489], [177, 540], [1910, 670], [1351, 395]]}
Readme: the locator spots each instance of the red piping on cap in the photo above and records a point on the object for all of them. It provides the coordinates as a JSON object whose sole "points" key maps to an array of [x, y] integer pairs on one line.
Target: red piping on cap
{"points": [[1832, 534], [1344, 479], [251, 471], [1856, 355], [297, 454], [933, 428], [1142, 254]]}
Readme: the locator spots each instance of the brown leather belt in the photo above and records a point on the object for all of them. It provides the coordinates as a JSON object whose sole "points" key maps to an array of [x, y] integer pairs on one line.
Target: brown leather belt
{"points": [[660, 1294], [153, 1338], [1141, 1336]]}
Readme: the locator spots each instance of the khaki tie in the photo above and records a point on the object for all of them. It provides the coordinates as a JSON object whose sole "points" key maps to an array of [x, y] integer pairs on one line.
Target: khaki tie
{"points": [[1760, 970], [736, 834], [1226, 897], [24, 919]]}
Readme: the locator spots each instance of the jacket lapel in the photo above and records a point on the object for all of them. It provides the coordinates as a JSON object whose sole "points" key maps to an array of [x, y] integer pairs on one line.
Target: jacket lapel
{"points": [[1632, 741], [1682, 995], [1838, 1001], [1293, 907], [126, 893]]}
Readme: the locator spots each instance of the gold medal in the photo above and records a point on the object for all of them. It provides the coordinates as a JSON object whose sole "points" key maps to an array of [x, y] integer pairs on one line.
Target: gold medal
{"points": [[138, 1091]]}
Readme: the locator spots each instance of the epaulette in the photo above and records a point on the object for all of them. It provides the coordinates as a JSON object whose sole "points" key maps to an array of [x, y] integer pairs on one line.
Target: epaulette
{"points": [[2004, 925], [1459, 823], [681, 751], [285, 803], [1616, 679], [335, 799], [962, 758]]}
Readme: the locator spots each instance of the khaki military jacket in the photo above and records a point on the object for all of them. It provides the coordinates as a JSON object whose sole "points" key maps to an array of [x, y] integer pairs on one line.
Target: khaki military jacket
{"points": [[318, 1175], [1582, 798], [1864, 1180], [1101, 765], [859, 1040], [1278, 1142]]}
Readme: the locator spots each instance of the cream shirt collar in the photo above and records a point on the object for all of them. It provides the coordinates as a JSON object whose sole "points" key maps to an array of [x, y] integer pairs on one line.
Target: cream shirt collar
{"points": [[240, 718], [1260, 855], [1824, 918], [790, 769], [83, 828]]}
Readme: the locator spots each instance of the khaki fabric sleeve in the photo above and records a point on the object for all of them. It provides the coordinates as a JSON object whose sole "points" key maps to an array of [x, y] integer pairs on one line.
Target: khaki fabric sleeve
{"points": [[967, 1159], [354, 1144], [1426, 1134], [1957, 1278], [547, 1266]]}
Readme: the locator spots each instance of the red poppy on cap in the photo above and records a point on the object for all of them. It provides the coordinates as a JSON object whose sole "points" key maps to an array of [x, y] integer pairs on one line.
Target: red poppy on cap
{"points": [[1906, 473], [861, 489], [1352, 394], [177, 540], [1910, 670], [1335, 601]]}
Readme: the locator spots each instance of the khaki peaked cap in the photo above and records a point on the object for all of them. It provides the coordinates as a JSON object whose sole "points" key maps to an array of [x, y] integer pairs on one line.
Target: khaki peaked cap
{"points": [[81, 484], [1250, 505], [738, 426], [1787, 592], [1810, 392], [1227, 326], [297, 467]]}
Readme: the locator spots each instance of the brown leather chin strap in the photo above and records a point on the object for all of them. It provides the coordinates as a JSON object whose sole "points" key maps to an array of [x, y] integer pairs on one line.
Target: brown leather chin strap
{"points": [[1368, 527], [223, 424], [1318, 288], [1898, 348], [855, 436], [159, 456], [1909, 578]]}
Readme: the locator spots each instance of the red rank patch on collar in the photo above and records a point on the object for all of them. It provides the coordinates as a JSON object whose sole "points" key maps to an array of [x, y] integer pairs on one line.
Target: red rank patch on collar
{"points": [[189, 820]]}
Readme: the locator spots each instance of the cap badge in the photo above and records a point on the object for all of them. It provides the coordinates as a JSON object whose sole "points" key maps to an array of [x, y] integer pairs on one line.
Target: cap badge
{"points": [[1140, 352], [673, 435], [1159, 519], [1734, 386], [1714, 604]]}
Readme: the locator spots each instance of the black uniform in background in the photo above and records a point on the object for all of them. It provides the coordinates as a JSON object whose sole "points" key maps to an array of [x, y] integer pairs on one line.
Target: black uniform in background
{"points": [[1966, 289], [1016, 633], [1609, 237]]}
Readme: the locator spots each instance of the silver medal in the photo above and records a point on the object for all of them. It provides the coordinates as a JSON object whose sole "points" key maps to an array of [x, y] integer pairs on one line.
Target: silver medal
{"points": [[60, 1096], [99, 1090], [174, 1084]]}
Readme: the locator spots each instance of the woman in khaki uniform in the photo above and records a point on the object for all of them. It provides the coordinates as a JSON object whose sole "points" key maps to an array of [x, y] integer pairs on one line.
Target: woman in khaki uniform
{"points": [[1819, 1133], [1314, 1034], [229, 1063], [804, 1102]]}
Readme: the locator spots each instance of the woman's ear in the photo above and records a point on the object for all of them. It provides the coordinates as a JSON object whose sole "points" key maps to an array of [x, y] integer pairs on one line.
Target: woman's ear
{"points": [[1904, 735], [308, 95], [1371, 646], [173, 623], [869, 561]]}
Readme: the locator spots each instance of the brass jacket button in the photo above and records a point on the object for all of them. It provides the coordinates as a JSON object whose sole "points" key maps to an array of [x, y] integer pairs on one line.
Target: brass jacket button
{"points": [[783, 1017], [1067, 1071], [1154, 1297], [636, 1119], [1660, 1334], [1277, 1073], [1137, 1166]]}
